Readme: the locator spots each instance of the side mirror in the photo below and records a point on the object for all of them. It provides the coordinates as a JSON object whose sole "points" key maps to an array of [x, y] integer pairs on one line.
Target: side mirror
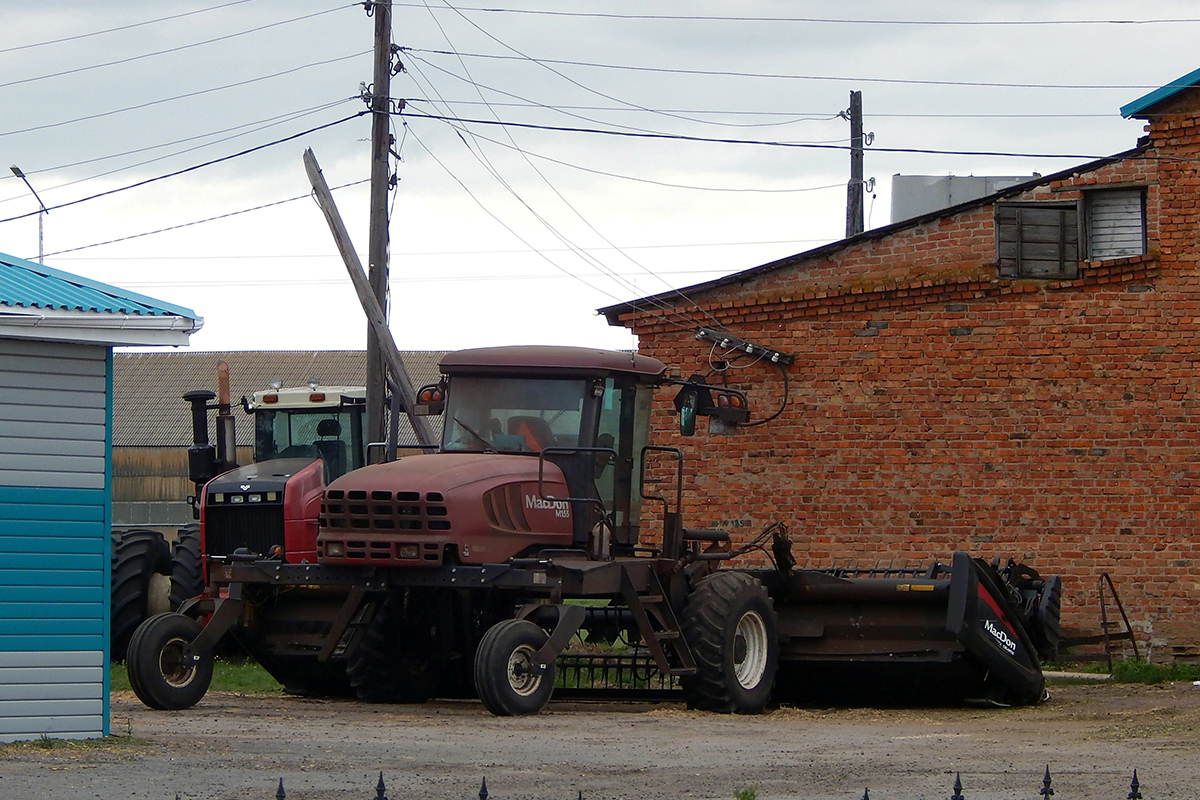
{"points": [[687, 401], [698, 399], [431, 401]]}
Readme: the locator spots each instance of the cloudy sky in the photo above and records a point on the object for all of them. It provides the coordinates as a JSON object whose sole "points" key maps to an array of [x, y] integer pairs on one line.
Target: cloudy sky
{"points": [[553, 157]]}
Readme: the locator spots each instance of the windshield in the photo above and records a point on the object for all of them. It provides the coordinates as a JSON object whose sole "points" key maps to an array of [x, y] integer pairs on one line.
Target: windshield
{"points": [[506, 414], [329, 434]]}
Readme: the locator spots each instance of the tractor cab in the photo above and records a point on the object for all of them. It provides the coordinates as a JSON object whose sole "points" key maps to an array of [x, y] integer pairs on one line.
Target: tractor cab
{"points": [[311, 422], [587, 412]]}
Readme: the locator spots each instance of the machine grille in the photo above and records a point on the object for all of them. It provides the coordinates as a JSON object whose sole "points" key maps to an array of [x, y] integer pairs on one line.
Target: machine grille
{"points": [[255, 527], [380, 510]]}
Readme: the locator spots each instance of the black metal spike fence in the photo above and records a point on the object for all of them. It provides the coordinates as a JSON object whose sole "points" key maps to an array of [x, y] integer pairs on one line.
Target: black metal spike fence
{"points": [[1046, 792]]}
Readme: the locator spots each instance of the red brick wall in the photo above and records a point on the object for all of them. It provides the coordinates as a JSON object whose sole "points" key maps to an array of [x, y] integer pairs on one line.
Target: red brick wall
{"points": [[932, 407]]}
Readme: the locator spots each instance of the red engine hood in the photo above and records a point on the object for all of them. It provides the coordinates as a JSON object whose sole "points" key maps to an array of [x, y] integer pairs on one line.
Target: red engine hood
{"points": [[446, 472]]}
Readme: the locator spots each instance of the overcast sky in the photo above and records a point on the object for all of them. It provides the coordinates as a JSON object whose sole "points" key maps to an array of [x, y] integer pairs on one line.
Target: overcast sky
{"points": [[504, 234]]}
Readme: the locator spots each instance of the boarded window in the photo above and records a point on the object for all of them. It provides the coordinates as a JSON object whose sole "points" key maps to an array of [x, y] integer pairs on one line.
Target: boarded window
{"points": [[1116, 223], [1037, 240]]}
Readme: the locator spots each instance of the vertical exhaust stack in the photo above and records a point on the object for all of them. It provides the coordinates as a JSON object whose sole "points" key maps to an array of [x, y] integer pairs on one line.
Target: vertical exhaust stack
{"points": [[226, 440], [205, 461]]}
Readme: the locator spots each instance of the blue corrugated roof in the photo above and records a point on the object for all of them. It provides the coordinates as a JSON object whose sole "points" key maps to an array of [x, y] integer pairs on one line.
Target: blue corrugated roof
{"points": [[26, 284], [1161, 93]]}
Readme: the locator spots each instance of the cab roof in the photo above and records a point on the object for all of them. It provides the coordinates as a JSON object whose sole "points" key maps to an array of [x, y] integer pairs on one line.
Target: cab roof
{"points": [[551, 360]]}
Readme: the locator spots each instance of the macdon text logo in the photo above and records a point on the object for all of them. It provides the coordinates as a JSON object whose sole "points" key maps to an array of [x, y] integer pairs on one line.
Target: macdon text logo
{"points": [[1007, 642], [559, 507]]}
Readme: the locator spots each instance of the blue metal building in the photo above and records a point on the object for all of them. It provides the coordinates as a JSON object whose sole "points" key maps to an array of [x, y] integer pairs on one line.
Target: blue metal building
{"points": [[57, 332]]}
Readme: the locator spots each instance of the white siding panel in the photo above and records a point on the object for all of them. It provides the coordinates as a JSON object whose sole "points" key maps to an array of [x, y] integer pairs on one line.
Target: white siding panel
{"points": [[44, 385], [58, 694], [16, 729], [93, 659]]}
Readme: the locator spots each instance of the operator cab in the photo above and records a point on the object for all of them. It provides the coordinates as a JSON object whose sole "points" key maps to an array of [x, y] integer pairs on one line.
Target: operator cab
{"points": [[316, 422], [586, 411]]}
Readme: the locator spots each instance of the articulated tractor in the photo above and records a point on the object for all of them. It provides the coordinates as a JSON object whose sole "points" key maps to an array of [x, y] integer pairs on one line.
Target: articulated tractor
{"points": [[476, 567]]}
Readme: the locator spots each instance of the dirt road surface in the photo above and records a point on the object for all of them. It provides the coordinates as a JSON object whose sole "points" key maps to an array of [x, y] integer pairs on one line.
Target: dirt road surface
{"points": [[1092, 737]]}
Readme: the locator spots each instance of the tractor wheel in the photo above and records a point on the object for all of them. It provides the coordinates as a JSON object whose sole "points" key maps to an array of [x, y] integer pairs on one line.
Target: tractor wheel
{"points": [[158, 673], [141, 583], [506, 673], [729, 624], [187, 567], [391, 664]]}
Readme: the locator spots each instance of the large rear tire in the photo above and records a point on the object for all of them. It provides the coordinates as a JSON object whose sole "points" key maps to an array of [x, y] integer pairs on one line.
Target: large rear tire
{"points": [[391, 664], [508, 678], [160, 673], [141, 570], [730, 625], [187, 566]]}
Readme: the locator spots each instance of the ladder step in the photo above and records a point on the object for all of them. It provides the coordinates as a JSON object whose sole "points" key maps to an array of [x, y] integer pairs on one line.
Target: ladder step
{"points": [[666, 636], [651, 599], [683, 672]]}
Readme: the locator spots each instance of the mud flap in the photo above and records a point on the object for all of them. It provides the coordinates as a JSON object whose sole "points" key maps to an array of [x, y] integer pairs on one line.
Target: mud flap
{"points": [[981, 618]]}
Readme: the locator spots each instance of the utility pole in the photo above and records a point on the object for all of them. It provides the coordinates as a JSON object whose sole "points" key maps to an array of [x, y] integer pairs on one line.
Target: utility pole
{"points": [[377, 245], [854, 189]]}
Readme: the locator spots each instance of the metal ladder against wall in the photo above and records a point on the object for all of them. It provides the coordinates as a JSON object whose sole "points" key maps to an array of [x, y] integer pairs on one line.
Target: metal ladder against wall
{"points": [[1111, 630]]}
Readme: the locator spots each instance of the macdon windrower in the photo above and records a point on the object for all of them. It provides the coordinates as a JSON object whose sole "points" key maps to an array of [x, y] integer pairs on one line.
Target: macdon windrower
{"points": [[484, 565]]}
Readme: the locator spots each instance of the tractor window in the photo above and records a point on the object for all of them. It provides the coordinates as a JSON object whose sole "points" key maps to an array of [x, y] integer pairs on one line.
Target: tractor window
{"points": [[329, 434], [624, 427], [517, 415]]}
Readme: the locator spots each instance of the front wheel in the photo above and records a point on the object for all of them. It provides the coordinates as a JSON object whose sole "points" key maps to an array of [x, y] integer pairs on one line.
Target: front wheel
{"points": [[508, 677], [160, 671], [730, 625]]}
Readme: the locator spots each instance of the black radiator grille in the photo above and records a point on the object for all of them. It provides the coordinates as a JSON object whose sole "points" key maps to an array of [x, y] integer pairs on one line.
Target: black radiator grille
{"points": [[256, 527], [384, 511]]}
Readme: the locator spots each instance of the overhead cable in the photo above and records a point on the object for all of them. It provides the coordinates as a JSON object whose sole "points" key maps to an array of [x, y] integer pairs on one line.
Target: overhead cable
{"points": [[167, 51], [186, 170], [784, 76], [759, 142]]}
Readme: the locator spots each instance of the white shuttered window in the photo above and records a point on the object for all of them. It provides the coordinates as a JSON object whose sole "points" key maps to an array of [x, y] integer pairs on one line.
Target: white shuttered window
{"points": [[1116, 223]]}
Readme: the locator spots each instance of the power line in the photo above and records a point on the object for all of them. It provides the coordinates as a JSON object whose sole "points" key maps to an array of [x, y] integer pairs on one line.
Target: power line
{"points": [[759, 142], [186, 170], [184, 96], [169, 50], [131, 26], [795, 116], [421, 253], [783, 76], [818, 20], [194, 222], [603, 173]]}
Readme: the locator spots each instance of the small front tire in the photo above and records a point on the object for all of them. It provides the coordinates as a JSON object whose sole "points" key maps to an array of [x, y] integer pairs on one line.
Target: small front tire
{"points": [[730, 625], [508, 677], [160, 672]]}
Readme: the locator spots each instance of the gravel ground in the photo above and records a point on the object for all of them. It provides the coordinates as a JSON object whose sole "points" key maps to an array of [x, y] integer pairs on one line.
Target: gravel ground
{"points": [[1092, 737]]}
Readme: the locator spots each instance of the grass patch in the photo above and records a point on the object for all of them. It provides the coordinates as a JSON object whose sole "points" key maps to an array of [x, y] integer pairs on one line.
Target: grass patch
{"points": [[68, 747], [245, 677], [1141, 672], [1131, 671]]}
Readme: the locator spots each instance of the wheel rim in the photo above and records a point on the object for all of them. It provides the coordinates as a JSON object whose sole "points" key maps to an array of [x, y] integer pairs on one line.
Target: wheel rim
{"points": [[171, 663], [522, 676], [158, 594], [750, 650]]}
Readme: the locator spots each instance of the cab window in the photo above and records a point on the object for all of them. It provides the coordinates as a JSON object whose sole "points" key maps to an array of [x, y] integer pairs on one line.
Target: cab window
{"points": [[525, 416]]}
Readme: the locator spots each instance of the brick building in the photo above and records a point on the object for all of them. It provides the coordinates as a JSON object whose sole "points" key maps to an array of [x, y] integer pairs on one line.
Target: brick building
{"points": [[1013, 376]]}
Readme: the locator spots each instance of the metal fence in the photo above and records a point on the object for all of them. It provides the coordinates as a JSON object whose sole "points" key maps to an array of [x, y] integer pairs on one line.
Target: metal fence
{"points": [[1045, 792]]}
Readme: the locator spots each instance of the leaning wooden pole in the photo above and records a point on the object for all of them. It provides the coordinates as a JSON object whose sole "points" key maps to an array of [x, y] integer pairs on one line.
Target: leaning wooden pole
{"points": [[371, 307]]}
